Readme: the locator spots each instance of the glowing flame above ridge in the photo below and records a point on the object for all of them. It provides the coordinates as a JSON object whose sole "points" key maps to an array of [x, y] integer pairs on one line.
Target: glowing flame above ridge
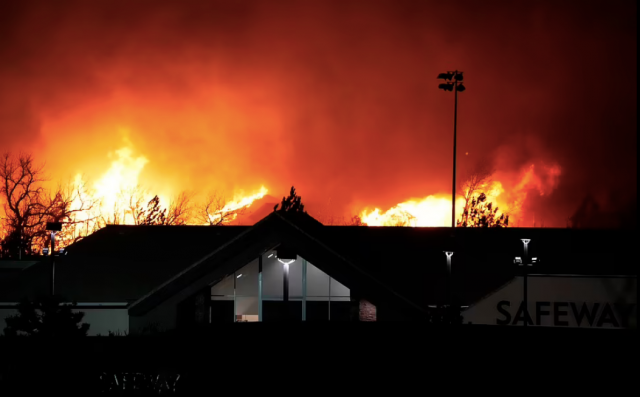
{"points": [[123, 175], [435, 210], [429, 211], [239, 202]]}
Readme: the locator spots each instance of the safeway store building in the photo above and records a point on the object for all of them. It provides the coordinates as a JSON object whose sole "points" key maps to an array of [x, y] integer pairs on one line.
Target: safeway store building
{"points": [[289, 267]]}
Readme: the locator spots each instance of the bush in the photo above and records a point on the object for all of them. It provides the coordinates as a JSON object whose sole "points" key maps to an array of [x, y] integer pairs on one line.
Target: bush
{"points": [[46, 316]]}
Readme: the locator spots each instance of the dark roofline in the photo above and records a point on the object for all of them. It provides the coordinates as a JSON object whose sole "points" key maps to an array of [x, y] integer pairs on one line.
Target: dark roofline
{"points": [[195, 264], [16, 265], [172, 226]]}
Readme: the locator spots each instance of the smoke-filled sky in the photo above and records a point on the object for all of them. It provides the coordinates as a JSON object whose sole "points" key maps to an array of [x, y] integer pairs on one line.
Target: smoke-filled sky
{"points": [[338, 98]]}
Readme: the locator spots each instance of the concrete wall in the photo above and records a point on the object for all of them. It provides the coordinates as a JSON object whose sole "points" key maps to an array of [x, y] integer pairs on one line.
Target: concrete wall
{"points": [[102, 321]]}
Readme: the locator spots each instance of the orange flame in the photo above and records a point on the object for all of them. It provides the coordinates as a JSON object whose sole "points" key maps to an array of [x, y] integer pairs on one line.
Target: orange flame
{"points": [[123, 175], [239, 201], [111, 192], [435, 210], [429, 211]]}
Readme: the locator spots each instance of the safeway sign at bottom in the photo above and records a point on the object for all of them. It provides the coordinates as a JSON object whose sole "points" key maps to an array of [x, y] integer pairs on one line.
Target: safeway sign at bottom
{"points": [[560, 301]]}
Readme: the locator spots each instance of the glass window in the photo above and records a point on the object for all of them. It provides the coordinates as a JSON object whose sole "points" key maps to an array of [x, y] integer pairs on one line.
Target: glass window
{"points": [[272, 277], [223, 287], [295, 279], [327, 299], [339, 291], [247, 308], [237, 297], [247, 292], [317, 282], [247, 280]]}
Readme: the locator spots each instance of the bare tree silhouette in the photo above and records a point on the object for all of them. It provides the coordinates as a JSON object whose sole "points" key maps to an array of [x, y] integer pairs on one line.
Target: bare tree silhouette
{"points": [[23, 194], [355, 220], [180, 209], [28, 206], [481, 213], [214, 211]]}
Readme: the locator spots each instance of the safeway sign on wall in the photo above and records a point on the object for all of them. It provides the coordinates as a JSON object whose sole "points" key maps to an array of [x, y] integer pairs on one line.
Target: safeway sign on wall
{"points": [[560, 301]]}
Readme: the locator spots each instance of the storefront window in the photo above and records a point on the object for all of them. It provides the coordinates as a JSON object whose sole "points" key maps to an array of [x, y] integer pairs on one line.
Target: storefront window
{"points": [[250, 295]]}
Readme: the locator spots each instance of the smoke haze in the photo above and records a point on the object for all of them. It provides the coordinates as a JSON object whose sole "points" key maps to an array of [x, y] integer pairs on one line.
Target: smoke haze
{"points": [[338, 98]]}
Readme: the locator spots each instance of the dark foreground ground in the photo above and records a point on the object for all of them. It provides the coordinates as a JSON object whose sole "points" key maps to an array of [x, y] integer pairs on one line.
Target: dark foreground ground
{"points": [[391, 359]]}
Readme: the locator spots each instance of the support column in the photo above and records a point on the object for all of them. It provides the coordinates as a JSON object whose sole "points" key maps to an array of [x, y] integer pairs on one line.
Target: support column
{"points": [[201, 307], [304, 290], [260, 287], [329, 304], [285, 283], [235, 308]]}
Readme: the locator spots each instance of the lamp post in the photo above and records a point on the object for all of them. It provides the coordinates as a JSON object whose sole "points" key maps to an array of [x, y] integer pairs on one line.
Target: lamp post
{"points": [[453, 82], [53, 227], [449, 254], [525, 263], [285, 279]]}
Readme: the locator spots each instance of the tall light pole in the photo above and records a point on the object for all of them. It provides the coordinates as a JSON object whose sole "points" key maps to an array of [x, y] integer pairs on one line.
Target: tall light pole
{"points": [[453, 83]]}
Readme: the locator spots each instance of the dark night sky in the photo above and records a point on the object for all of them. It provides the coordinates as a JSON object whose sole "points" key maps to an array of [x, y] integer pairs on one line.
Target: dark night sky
{"points": [[339, 98]]}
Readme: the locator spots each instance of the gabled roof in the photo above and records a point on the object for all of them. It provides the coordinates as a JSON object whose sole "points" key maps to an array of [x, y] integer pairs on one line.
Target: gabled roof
{"points": [[296, 232]]}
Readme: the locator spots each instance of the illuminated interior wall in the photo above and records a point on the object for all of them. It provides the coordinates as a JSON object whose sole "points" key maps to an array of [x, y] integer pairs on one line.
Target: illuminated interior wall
{"points": [[101, 321], [249, 289]]}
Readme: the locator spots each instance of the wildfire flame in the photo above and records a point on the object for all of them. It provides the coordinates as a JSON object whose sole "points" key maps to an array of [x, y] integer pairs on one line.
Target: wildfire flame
{"points": [[108, 195], [429, 211], [239, 201], [114, 188], [122, 176], [435, 210]]}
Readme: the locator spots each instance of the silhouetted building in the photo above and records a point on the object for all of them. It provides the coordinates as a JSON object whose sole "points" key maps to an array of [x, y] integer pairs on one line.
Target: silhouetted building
{"points": [[292, 268]]}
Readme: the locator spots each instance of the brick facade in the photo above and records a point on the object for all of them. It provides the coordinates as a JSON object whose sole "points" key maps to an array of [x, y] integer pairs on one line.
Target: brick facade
{"points": [[367, 311]]}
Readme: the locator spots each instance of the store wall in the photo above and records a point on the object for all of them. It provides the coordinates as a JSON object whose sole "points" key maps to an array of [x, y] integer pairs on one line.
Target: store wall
{"points": [[560, 301]]}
